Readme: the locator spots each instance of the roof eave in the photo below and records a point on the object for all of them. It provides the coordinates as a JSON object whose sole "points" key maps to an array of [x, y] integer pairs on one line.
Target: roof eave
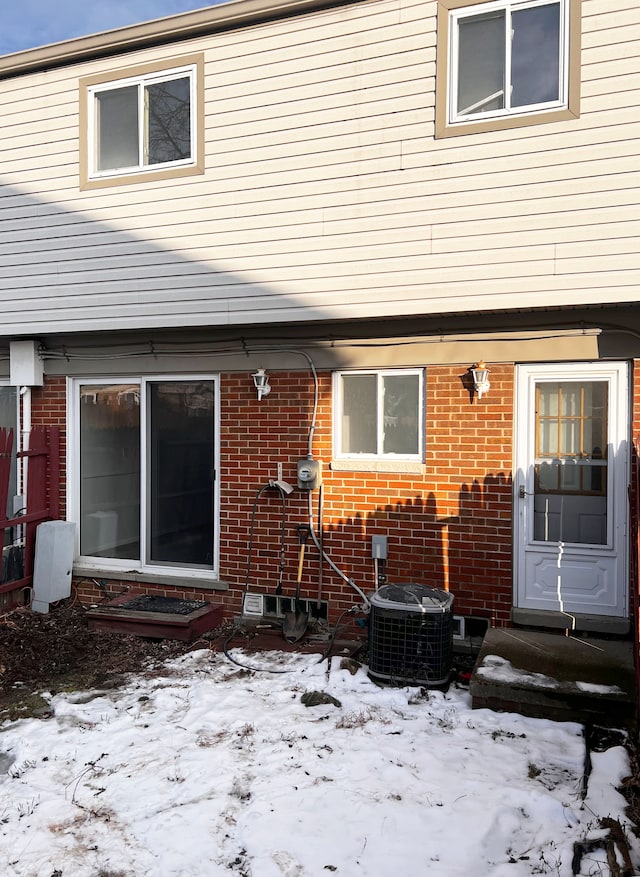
{"points": [[174, 28]]}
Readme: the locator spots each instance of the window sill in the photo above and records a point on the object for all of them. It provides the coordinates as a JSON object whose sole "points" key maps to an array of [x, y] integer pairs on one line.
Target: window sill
{"points": [[143, 176], [175, 580], [503, 123], [392, 466]]}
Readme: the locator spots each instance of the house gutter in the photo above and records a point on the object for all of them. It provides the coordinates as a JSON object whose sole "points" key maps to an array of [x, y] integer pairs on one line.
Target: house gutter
{"points": [[170, 29]]}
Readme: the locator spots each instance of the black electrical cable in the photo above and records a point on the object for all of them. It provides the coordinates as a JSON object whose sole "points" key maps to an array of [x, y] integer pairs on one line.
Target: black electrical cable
{"points": [[325, 655], [259, 493], [283, 523], [225, 649]]}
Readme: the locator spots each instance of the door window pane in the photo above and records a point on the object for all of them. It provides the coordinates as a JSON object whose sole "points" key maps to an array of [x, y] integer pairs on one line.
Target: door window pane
{"points": [[548, 437], [570, 503], [570, 437], [181, 440], [570, 399], [547, 476], [571, 419], [547, 399], [110, 470]]}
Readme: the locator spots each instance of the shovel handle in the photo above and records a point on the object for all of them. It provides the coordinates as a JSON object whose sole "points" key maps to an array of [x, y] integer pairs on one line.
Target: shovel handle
{"points": [[300, 562]]}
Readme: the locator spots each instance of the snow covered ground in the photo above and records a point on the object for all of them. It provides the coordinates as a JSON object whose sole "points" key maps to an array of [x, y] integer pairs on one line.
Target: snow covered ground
{"points": [[203, 769]]}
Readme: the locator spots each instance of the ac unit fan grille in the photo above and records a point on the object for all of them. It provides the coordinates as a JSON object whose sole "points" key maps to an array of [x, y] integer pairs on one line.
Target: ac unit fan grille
{"points": [[410, 647]]}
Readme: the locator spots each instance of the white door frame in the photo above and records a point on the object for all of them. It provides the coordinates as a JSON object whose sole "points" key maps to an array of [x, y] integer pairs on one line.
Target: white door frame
{"points": [[606, 566]]}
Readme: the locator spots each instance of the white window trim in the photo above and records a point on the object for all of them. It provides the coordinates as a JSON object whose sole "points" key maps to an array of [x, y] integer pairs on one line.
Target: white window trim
{"points": [[140, 81], [107, 564], [457, 15], [338, 455]]}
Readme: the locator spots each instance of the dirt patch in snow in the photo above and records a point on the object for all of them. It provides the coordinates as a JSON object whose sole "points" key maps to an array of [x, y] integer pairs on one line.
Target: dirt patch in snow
{"points": [[58, 651]]}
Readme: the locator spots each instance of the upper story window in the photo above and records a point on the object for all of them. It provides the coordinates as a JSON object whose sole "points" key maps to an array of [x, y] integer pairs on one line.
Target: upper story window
{"points": [[379, 415], [142, 121], [505, 63]]}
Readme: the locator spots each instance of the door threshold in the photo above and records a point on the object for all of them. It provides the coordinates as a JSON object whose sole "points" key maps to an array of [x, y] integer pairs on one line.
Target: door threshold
{"points": [[566, 621]]}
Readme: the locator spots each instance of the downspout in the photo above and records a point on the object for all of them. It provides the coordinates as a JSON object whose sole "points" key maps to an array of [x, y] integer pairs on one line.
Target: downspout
{"points": [[24, 430], [18, 445]]}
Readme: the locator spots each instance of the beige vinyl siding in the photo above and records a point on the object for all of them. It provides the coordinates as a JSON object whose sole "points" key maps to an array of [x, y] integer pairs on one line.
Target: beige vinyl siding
{"points": [[325, 194]]}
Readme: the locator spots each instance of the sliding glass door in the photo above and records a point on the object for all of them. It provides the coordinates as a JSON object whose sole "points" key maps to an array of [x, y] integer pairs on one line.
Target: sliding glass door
{"points": [[146, 471]]}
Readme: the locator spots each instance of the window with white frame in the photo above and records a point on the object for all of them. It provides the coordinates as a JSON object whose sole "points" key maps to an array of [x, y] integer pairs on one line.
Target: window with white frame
{"points": [[505, 58], [379, 414], [142, 122], [142, 463]]}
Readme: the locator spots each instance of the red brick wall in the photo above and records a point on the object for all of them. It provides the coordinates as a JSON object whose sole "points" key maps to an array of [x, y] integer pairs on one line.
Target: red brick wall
{"points": [[469, 460], [450, 528], [49, 408]]}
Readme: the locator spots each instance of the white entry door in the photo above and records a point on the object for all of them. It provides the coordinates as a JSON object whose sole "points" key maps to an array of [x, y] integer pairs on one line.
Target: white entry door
{"points": [[571, 477]]}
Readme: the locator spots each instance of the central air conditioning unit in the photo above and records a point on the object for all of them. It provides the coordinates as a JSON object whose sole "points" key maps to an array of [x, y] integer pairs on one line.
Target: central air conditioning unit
{"points": [[411, 635]]}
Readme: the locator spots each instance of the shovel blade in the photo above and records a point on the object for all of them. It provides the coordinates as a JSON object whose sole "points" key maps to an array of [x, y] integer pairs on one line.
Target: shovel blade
{"points": [[294, 625]]}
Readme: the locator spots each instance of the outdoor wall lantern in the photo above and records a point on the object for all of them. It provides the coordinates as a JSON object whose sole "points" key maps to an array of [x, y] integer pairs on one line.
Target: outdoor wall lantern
{"points": [[261, 383], [480, 374]]}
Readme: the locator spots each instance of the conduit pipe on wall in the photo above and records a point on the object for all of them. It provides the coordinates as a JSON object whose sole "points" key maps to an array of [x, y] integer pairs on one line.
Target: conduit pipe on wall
{"points": [[24, 430], [325, 556], [320, 540]]}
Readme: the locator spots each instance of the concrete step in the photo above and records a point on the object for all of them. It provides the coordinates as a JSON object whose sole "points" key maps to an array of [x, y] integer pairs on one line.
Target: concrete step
{"points": [[550, 675]]}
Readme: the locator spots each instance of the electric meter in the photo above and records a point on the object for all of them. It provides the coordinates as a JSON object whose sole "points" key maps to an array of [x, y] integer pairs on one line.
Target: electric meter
{"points": [[309, 474]]}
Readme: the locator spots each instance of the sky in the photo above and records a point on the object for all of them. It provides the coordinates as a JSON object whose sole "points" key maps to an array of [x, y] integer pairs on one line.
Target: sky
{"points": [[207, 767], [25, 24]]}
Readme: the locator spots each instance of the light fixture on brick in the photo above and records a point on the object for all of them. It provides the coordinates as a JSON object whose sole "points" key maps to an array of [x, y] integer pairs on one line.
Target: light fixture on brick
{"points": [[261, 383], [480, 374]]}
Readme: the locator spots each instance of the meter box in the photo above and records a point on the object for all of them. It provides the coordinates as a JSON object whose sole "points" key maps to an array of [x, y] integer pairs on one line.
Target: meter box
{"points": [[309, 474]]}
